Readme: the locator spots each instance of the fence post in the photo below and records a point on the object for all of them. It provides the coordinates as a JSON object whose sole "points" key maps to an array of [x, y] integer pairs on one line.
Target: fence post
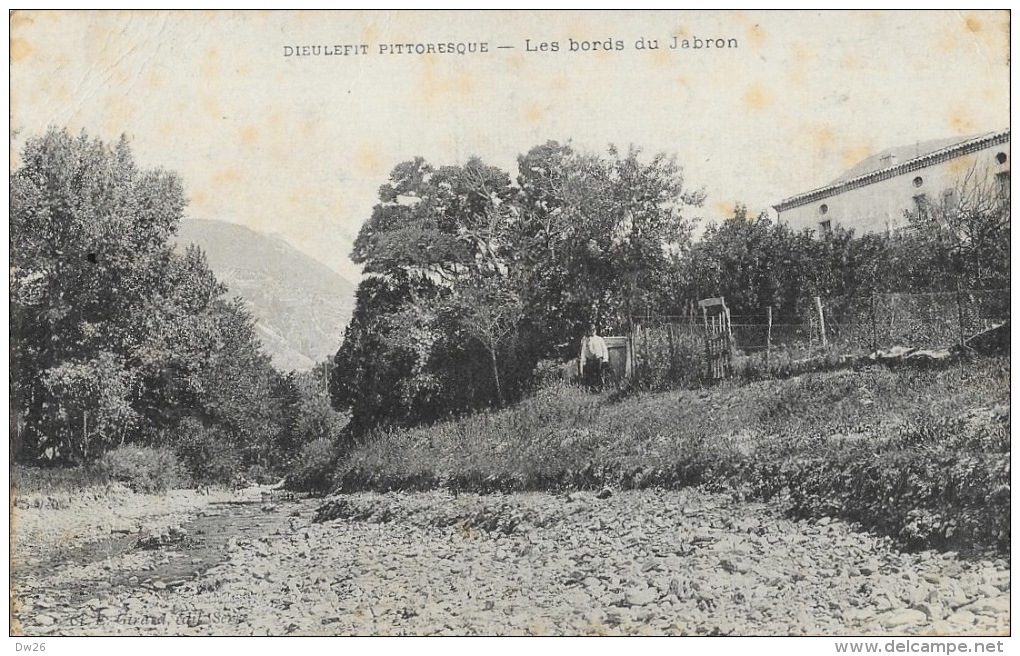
{"points": [[874, 326], [959, 311], [821, 320], [768, 336]]}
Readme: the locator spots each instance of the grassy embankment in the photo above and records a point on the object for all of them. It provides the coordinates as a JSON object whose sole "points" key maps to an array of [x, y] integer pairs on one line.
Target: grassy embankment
{"points": [[922, 455]]}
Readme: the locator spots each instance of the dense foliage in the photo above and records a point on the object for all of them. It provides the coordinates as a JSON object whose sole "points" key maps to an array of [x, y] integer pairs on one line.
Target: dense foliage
{"points": [[118, 339], [474, 280]]}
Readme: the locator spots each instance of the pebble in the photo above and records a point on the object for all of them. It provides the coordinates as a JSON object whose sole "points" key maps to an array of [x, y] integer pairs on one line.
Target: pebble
{"points": [[632, 563]]}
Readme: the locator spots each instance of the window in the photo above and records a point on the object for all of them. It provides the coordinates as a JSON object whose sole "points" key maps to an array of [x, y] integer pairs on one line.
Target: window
{"points": [[825, 227], [918, 181], [1001, 158], [823, 209]]}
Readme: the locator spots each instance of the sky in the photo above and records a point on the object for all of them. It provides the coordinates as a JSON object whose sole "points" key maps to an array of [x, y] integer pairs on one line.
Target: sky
{"points": [[297, 146]]}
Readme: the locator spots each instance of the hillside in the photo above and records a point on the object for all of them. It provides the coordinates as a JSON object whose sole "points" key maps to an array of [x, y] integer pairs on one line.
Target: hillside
{"points": [[301, 305]]}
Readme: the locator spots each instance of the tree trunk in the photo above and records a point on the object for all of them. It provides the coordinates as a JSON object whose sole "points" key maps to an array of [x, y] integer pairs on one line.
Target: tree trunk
{"points": [[495, 377]]}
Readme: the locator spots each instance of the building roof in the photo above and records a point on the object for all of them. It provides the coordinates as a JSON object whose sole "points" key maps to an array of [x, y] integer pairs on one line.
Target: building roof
{"points": [[894, 161]]}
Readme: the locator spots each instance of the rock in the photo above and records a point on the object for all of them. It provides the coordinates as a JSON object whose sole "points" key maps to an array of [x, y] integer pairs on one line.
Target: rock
{"points": [[932, 610], [964, 617], [44, 620], [618, 615], [989, 606], [869, 568], [989, 590], [159, 585], [734, 566], [605, 493], [902, 617], [640, 596], [825, 521]]}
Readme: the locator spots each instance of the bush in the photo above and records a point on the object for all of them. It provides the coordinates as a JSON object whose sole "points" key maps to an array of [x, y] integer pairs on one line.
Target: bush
{"points": [[312, 470], [30, 480], [143, 469], [261, 475], [207, 453]]}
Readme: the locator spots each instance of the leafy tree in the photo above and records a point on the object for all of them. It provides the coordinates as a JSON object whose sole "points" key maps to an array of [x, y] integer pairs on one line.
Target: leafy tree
{"points": [[598, 234], [86, 226], [92, 409], [432, 229], [472, 281], [116, 337], [489, 311]]}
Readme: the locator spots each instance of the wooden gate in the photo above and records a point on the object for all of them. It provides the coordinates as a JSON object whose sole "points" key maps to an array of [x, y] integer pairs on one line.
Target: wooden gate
{"points": [[718, 337]]}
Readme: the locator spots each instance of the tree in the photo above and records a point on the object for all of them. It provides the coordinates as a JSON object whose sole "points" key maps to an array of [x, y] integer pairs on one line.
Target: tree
{"points": [[92, 410], [86, 227], [116, 337], [964, 237], [490, 311], [433, 229], [598, 234]]}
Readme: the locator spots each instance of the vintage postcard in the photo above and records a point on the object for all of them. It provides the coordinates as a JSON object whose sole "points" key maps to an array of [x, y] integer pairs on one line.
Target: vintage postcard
{"points": [[675, 323]]}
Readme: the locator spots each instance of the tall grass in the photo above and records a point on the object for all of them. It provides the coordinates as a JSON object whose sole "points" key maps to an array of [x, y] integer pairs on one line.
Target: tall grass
{"points": [[796, 437]]}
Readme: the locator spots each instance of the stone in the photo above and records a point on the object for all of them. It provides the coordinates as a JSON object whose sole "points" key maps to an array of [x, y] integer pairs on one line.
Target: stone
{"points": [[989, 590], [902, 617], [964, 617], [989, 606], [618, 615], [44, 620], [931, 610], [640, 596], [869, 568]]}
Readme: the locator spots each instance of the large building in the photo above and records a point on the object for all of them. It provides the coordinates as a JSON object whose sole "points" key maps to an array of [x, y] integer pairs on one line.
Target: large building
{"points": [[876, 194]]}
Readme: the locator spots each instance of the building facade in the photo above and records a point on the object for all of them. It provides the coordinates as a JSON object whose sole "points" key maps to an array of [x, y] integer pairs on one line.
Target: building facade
{"points": [[875, 195]]}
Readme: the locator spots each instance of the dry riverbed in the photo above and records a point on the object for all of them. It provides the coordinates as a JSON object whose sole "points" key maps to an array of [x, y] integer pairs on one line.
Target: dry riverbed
{"points": [[647, 562]]}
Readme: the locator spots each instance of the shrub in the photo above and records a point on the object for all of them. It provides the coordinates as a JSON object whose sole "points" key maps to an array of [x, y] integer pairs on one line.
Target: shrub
{"points": [[30, 480], [313, 468], [142, 468], [261, 475], [207, 453]]}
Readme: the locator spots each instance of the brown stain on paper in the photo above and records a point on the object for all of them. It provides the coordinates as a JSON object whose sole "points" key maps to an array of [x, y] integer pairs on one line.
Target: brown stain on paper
{"points": [[853, 154], [249, 135], [960, 122], [369, 161], [20, 49], [757, 98]]}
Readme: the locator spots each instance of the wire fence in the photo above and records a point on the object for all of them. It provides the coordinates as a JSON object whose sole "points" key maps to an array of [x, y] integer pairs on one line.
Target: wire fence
{"points": [[672, 350]]}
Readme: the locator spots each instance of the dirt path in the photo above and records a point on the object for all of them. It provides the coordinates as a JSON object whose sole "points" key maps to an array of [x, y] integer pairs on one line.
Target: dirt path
{"points": [[635, 563]]}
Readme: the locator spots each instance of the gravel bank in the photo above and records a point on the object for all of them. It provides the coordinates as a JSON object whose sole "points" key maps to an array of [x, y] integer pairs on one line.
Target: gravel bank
{"points": [[647, 562]]}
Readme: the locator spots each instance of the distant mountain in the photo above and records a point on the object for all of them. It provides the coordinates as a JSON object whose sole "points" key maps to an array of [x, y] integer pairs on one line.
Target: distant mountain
{"points": [[301, 306]]}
